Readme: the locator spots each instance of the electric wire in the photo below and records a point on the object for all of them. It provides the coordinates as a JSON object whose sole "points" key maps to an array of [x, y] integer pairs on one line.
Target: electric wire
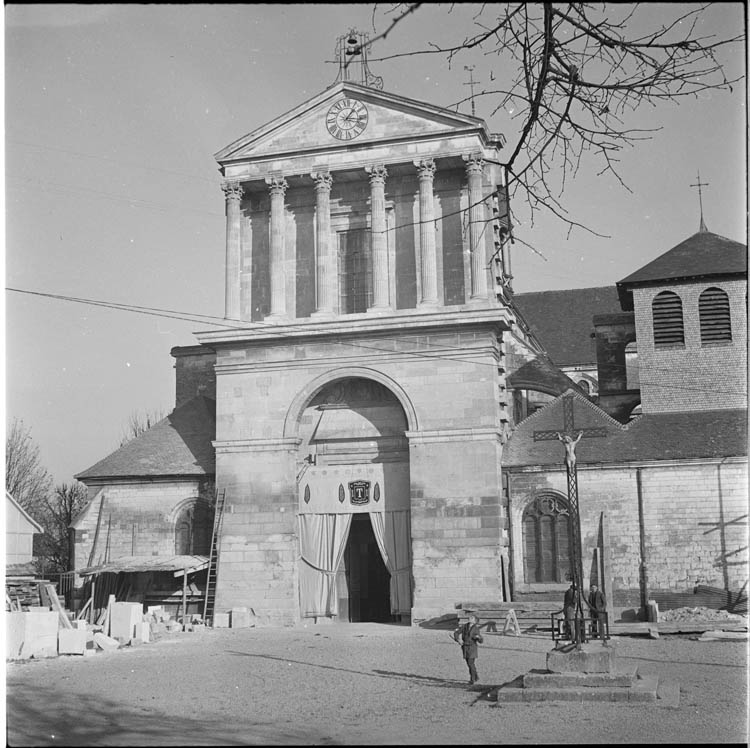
{"points": [[241, 325]]}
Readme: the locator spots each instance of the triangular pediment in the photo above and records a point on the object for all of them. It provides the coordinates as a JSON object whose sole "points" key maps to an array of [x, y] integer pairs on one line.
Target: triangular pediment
{"points": [[389, 116]]}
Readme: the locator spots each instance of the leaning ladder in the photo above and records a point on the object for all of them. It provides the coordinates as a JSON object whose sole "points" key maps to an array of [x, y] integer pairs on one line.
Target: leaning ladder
{"points": [[213, 558]]}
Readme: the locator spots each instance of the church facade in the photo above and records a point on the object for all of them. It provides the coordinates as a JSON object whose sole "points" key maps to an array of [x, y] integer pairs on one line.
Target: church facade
{"points": [[363, 411]]}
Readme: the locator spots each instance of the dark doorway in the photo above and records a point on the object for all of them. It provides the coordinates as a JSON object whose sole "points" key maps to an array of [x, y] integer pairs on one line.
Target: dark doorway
{"points": [[363, 580]]}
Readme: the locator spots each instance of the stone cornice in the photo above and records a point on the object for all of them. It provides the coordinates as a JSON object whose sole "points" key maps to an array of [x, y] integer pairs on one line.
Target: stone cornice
{"points": [[403, 322], [454, 435], [631, 465], [257, 445]]}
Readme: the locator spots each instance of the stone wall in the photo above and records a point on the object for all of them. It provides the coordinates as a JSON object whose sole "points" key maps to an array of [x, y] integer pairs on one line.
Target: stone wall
{"points": [[458, 528], [694, 520], [143, 516]]}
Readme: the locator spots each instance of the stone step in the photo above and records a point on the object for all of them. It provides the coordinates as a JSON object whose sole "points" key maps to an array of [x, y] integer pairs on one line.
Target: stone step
{"points": [[623, 677], [643, 690]]}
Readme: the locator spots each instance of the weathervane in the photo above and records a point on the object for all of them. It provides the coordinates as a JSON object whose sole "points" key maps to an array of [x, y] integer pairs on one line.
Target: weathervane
{"points": [[702, 228]]}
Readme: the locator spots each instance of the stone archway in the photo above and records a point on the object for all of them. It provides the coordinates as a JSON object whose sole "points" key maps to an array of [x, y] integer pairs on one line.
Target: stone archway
{"points": [[354, 502]]}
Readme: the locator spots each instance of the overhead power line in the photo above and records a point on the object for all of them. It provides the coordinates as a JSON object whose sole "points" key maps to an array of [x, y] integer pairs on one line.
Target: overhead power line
{"points": [[441, 351]]}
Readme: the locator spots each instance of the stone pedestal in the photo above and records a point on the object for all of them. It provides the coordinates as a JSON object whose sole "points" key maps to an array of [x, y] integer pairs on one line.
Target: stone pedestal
{"points": [[590, 673]]}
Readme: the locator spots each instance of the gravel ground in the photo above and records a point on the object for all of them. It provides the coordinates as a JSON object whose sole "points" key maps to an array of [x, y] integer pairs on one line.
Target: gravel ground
{"points": [[364, 684]]}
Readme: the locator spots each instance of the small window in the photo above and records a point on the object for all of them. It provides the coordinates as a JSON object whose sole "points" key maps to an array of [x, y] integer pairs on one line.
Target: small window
{"points": [[713, 309], [668, 324]]}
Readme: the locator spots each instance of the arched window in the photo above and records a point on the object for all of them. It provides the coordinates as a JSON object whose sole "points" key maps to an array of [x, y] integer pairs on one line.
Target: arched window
{"points": [[545, 540], [192, 530], [668, 324], [713, 310], [584, 385]]}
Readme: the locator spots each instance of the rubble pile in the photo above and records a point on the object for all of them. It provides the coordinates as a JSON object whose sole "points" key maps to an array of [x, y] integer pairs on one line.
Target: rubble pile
{"points": [[699, 614]]}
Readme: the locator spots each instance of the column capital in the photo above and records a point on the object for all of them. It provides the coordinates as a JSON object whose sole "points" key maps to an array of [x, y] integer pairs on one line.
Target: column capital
{"points": [[377, 172], [323, 180], [232, 189], [474, 162], [277, 184], [425, 167]]}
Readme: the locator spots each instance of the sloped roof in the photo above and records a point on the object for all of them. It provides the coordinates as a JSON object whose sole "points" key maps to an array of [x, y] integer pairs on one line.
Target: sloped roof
{"points": [[540, 374], [179, 444], [562, 321], [701, 255], [654, 436], [33, 524], [135, 564]]}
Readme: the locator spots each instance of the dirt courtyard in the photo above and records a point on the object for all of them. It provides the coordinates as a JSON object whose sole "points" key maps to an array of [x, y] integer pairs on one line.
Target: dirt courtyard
{"points": [[365, 684]]}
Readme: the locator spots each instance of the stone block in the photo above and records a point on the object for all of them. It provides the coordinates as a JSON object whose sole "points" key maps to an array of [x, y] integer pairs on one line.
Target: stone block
{"points": [[105, 642], [123, 618], [80, 625], [221, 621], [142, 632], [240, 618], [39, 634], [592, 657], [71, 641]]}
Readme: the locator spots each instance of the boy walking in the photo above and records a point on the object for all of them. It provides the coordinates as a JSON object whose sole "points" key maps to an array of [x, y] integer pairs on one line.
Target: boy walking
{"points": [[469, 636]]}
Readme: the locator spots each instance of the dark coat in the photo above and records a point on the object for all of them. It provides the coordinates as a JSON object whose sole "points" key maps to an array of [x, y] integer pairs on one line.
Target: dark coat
{"points": [[469, 635], [597, 602]]}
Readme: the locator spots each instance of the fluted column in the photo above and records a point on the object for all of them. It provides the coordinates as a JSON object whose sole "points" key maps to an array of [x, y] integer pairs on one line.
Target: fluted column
{"points": [[324, 266], [380, 295], [474, 168], [233, 194], [277, 187], [428, 264]]}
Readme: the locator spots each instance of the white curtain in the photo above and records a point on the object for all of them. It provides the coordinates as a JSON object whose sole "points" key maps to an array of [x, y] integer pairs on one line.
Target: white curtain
{"points": [[393, 532], [322, 542]]}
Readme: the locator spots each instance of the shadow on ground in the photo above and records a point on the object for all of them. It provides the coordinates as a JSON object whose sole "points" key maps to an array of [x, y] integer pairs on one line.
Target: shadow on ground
{"points": [[46, 717]]}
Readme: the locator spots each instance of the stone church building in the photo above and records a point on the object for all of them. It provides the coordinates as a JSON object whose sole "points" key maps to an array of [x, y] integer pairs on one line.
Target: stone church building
{"points": [[363, 413]]}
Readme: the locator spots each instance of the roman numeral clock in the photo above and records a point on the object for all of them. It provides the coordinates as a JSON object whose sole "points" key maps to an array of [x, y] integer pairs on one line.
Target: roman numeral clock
{"points": [[346, 119]]}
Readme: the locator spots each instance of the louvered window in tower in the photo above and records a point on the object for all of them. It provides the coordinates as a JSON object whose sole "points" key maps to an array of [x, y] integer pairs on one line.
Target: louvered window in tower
{"points": [[668, 325], [713, 309]]}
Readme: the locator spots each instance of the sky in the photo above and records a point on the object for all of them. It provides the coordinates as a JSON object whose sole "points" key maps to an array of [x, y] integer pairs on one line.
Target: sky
{"points": [[113, 114]]}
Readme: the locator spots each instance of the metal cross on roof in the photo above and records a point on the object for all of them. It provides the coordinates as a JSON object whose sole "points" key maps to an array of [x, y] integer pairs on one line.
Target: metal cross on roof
{"points": [[569, 440], [702, 228]]}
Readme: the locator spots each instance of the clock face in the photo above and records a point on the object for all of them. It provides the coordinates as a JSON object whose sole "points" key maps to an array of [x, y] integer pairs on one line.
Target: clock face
{"points": [[347, 119]]}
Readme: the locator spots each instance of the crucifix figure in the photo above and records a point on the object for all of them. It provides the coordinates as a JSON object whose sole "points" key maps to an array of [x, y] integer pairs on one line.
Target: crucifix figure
{"points": [[569, 441], [570, 448]]}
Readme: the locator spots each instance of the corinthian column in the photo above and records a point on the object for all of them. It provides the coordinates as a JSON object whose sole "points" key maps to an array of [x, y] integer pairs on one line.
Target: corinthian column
{"points": [[324, 267], [233, 194], [474, 167], [428, 265], [380, 296], [277, 187]]}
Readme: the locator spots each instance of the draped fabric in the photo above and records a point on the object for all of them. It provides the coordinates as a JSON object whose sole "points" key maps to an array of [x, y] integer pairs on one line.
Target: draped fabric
{"points": [[322, 542], [392, 531]]}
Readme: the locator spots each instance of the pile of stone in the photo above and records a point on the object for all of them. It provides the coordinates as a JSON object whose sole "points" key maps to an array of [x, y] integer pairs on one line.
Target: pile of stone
{"points": [[699, 614]]}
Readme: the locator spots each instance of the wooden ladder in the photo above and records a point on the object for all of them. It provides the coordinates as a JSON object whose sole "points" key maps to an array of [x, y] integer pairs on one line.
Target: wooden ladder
{"points": [[213, 558]]}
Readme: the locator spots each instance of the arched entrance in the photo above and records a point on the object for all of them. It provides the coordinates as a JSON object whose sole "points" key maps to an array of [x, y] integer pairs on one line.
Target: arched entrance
{"points": [[354, 517]]}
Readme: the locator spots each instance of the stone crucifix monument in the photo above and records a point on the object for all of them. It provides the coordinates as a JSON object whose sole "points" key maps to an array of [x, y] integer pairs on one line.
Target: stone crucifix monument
{"points": [[570, 436]]}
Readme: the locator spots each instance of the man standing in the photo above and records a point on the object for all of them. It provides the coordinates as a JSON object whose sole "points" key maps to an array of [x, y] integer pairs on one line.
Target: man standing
{"points": [[469, 636], [569, 610], [598, 604]]}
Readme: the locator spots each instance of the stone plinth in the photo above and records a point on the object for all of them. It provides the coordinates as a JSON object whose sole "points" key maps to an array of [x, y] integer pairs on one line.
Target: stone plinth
{"points": [[592, 657], [590, 673]]}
